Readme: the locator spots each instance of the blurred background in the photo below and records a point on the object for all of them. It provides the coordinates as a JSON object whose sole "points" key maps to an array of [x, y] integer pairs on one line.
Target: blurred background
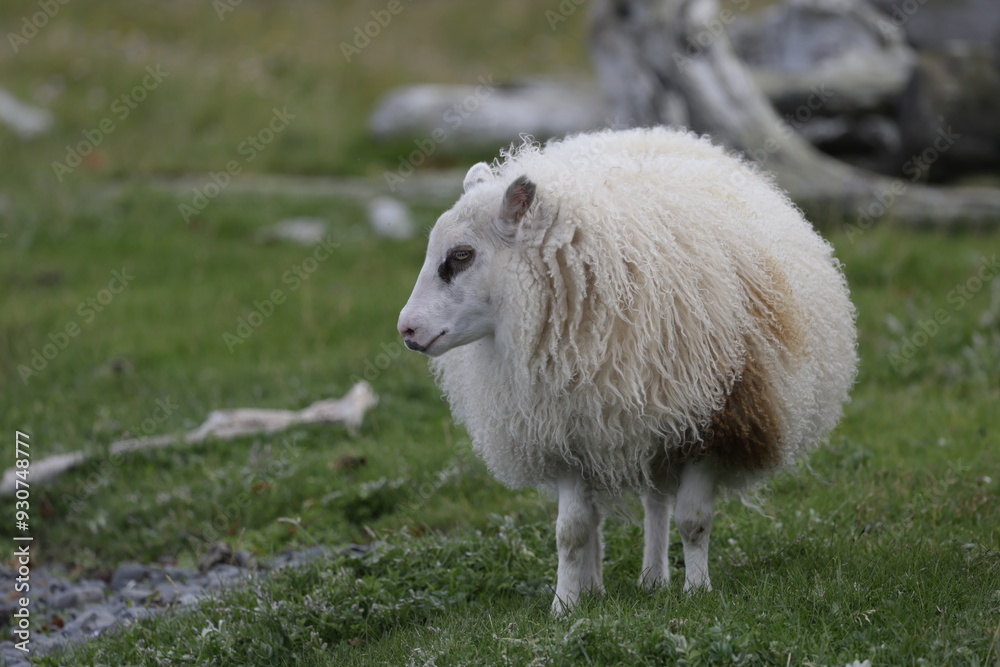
{"points": [[224, 204]]}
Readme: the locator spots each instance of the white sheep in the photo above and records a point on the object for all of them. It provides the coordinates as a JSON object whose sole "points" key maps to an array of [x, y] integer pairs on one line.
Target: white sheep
{"points": [[632, 311]]}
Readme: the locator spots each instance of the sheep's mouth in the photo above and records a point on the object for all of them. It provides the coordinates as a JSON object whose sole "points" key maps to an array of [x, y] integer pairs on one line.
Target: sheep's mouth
{"points": [[417, 347]]}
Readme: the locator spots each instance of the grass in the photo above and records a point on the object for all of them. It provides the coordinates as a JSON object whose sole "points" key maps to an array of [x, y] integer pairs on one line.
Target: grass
{"points": [[886, 548]]}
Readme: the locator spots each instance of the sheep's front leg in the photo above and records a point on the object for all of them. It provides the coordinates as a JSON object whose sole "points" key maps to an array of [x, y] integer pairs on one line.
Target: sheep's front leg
{"points": [[656, 527], [694, 520], [578, 539]]}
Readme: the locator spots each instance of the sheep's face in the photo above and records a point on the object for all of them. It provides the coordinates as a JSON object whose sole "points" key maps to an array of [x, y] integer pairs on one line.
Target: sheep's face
{"points": [[452, 303]]}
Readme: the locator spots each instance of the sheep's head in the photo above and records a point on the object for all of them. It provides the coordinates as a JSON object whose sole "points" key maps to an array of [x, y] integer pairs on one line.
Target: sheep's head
{"points": [[452, 303]]}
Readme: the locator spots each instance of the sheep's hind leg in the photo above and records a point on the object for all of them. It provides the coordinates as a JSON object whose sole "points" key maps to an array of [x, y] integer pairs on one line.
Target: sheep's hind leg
{"points": [[595, 581], [656, 528], [695, 498], [579, 543]]}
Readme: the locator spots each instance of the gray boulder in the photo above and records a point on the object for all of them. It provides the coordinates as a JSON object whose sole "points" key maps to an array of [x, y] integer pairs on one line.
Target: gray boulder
{"points": [[487, 114], [949, 111]]}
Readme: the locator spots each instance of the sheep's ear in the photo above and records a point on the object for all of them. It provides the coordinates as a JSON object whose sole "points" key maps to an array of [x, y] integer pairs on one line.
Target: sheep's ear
{"points": [[479, 173], [516, 202]]}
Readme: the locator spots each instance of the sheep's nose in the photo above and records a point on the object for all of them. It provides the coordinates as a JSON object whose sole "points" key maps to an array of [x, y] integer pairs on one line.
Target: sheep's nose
{"points": [[409, 335]]}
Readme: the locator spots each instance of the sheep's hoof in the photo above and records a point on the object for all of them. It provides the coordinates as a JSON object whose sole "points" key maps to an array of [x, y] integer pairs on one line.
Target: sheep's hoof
{"points": [[561, 607], [699, 587], [651, 582]]}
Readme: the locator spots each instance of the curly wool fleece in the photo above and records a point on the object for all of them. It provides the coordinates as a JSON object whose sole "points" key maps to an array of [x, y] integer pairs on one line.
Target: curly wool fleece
{"points": [[661, 300]]}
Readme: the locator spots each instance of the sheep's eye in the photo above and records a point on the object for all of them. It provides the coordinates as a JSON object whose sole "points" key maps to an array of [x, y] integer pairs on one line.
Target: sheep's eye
{"points": [[458, 259]]}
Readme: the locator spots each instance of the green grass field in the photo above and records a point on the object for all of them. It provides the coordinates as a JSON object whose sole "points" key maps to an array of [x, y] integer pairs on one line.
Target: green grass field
{"points": [[884, 548]]}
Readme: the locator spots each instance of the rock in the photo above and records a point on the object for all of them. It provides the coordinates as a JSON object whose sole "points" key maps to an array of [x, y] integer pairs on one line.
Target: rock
{"points": [[931, 24], [224, 575], [128, 573], [389, 217], [171, 593], [11, 656], [130, 615], [91, 621], [485, 115], [136, 593], [189, 598], [24, 119], [77, 596], [167, 593], [245, 560], [871, 141], [291, 558], [180, 574], [304, 231], [824, 56], [949, 111], [356, 550], [218, 552]]}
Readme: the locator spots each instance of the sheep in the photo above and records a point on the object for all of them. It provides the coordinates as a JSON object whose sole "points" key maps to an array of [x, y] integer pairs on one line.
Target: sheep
{"points": [[632, 311]]}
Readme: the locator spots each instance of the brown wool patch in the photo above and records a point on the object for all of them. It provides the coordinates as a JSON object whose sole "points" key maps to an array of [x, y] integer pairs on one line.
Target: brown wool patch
{"points": [[746, 432], [779, 320]]}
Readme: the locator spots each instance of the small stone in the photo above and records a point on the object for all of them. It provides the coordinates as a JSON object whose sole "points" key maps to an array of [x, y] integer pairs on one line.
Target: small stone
{"points": [[304, 231], [128, 573], [77, 597], [245, 560], [389, 217], [218, 552], [167, 593], [156, 575], [171, 593], [24, 119], [223, 575], [355, 550], [136, 593], [90, 622], [188, 599], [11, 656], [133, 614]]}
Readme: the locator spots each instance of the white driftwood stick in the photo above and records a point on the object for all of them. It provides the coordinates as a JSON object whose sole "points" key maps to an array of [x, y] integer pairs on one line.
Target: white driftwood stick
{"points": [[220, 425]]}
